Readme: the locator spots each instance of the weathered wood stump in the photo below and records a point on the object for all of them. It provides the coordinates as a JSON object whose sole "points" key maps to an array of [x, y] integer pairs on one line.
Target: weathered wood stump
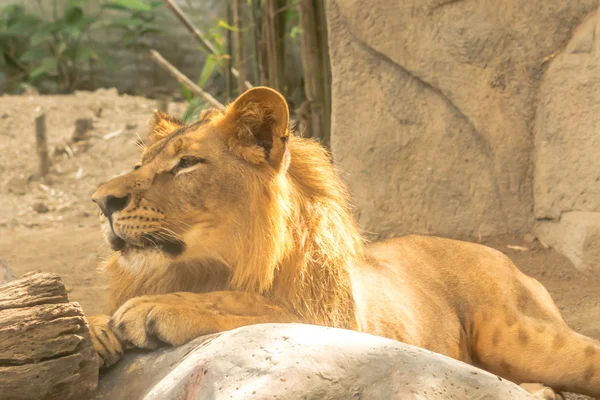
{"points": [[6, 274], [82, 127], [45, 346]]}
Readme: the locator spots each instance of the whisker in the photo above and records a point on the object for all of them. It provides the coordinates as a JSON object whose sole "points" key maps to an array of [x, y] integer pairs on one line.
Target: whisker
{"points": [[140, 142], [169, 233], [178, 221]]}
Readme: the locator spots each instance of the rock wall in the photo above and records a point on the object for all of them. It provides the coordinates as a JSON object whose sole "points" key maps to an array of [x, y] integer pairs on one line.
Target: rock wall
{"points": [[567, 143], [567, 129], [434, 106]]}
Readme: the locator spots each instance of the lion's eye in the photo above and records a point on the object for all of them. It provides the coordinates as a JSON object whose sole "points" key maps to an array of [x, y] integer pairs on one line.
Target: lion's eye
{"points": [[186, 162]]}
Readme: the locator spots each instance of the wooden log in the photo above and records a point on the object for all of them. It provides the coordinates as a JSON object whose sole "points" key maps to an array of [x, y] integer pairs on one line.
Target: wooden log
{"points": [[42, 144], [6, 274], [82, 127], [45, 346]]}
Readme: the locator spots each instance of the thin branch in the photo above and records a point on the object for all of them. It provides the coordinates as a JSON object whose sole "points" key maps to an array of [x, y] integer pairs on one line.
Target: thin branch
{"points": [[207, 45], [227, 60], [239, 45], [184, 80]]}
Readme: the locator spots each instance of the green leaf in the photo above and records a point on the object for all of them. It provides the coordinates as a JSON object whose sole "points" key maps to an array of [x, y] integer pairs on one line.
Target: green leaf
{"points": [[133, 5], [207, 70], [291, 15], [193, 111], [127, 22], [225, 25], [32, 55], [86, 53], [71, 31], [88, 20], [24, 26], [48, 65], [12, 9], [39, 37], [295, 32], [186, 93], [46, 31], [73, 15], [147, 31]]}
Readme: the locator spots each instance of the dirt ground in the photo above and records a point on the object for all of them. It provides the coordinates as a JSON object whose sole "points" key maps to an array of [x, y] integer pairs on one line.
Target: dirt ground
{"points": [[51, 224]]}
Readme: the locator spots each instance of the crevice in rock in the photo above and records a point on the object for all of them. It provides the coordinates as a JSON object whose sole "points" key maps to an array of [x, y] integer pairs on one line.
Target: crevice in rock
{"points": [[477, 136]]}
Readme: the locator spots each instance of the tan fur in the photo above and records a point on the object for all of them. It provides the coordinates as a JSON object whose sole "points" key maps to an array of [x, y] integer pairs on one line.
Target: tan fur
{"points": [[269, 238]]}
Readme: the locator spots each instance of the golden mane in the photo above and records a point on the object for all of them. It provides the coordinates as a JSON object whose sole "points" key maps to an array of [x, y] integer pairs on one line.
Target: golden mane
{"points": [[302, 241], [322, 241]]}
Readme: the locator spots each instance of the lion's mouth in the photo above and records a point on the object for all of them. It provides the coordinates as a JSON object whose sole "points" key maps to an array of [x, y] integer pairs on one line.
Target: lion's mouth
{"points": [[115, 241], [148, 242], [145, 243]]}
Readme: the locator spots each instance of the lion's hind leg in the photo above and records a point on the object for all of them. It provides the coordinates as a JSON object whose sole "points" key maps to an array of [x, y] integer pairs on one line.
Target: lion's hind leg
{"points": [[523, 349]]}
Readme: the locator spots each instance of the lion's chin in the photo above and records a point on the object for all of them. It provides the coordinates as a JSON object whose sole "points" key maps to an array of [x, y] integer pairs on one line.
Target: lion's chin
{"points": [[114, 241], [172, 248]]}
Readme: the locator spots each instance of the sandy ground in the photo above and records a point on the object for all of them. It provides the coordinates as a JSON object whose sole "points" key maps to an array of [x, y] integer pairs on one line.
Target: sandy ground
{"points": [[51, 224]]}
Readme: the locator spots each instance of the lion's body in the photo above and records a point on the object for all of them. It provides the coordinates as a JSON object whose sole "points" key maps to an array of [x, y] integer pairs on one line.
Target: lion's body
{"points": [[268, 237]]}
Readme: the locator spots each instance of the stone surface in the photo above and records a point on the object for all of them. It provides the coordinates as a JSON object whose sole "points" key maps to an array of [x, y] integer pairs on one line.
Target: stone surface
{"points": [[567, 129], [433, 109], [577, 236], [294, 361]]}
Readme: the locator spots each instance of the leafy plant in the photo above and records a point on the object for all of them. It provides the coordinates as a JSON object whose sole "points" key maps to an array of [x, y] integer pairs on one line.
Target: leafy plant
{"points": [[16, 28], [194, 108], [138, 23], [52, 49], [213, 63]]}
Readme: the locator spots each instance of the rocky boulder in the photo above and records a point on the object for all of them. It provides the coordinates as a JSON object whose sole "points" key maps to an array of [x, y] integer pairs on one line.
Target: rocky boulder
{"points": [[295, 361], [567, 128], [567, 139]]}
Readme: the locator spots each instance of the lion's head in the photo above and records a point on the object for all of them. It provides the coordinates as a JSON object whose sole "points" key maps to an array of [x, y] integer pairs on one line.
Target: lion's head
{"points": [[236, 189]]}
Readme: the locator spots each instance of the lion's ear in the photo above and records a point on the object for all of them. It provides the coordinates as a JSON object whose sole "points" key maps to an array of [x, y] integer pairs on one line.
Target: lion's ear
{"points": [[161, 125], [256, 127]]}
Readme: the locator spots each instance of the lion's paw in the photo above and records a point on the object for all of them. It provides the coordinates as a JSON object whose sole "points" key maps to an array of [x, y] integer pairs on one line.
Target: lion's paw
{"points": [[149, 321], [105, 342], [541, 392]]}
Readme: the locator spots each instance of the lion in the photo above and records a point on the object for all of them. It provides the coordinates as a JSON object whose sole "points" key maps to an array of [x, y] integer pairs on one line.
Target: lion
{"points": [[233, 220]]}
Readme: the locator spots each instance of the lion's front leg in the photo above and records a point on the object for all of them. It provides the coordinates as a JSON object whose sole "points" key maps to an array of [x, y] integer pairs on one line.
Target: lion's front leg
{"points": [[104, 340], [177, 318]]}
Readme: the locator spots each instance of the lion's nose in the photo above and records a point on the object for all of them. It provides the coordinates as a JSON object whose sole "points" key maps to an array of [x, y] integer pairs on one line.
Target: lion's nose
{"points": [[111, 204]]}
